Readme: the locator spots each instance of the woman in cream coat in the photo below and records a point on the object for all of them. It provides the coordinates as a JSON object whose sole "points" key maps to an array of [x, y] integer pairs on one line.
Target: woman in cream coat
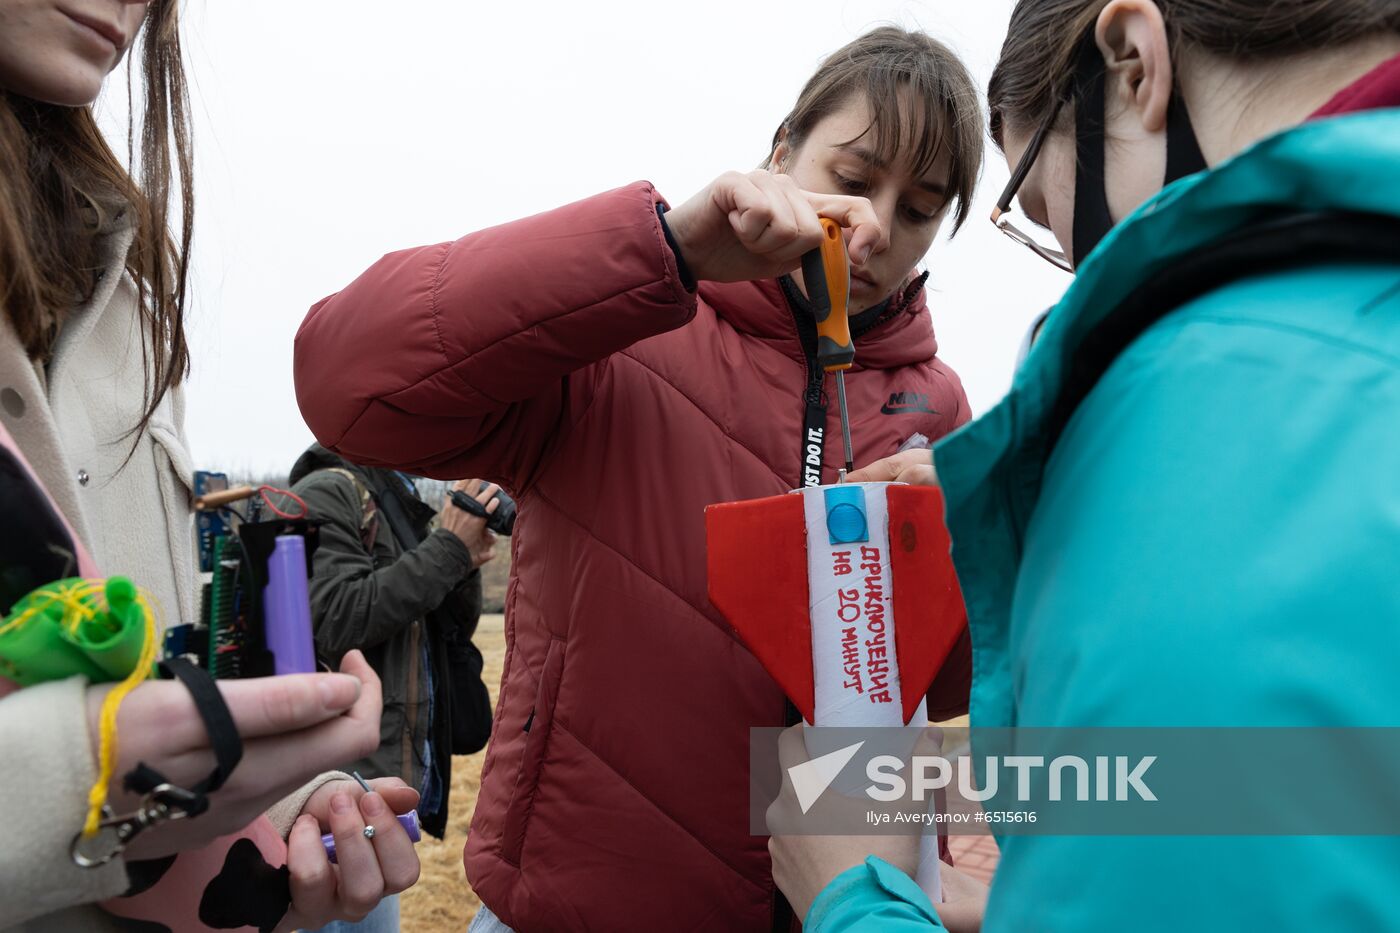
{"points": [[97, 413]]}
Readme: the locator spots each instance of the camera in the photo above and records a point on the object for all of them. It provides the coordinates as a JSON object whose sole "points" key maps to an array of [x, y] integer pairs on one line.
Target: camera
{"points": [[502, 521]]}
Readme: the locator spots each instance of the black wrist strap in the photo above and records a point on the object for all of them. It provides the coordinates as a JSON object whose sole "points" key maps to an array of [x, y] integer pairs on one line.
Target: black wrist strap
{"points": [[218, 722]]}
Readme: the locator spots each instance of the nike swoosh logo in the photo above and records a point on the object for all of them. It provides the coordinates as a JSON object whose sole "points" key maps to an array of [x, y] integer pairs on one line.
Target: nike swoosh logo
{"points": [[811, 778]]}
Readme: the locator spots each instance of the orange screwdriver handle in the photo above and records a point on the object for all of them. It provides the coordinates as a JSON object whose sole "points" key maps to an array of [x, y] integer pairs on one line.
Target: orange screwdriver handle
{"points": [[827, 274]]}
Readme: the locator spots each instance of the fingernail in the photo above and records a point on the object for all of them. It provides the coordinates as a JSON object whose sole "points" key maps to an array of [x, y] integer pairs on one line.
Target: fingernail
{"points": [[372, 804], [864, 255], [340, 803], [338, 691]]}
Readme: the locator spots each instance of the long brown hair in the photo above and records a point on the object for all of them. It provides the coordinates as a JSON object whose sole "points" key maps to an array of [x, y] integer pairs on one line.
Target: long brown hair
{"points": [[889, 66], [59, 180], [1044, 35]]}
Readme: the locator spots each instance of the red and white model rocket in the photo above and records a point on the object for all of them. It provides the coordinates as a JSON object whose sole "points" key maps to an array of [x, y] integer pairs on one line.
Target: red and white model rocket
{"points": [[847, 596]]}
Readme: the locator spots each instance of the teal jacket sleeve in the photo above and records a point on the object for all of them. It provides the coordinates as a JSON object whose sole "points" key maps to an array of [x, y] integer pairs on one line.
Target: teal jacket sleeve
{"points": [[874, 897]]}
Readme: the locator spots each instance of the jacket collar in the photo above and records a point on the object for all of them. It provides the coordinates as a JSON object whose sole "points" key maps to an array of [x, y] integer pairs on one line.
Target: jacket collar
{"points": [[900, 333], [113, 243], [1378, 88]]}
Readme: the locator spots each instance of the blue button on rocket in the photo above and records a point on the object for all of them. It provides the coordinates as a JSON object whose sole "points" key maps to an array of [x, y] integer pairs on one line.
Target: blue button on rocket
{"points": [[846, 521]]}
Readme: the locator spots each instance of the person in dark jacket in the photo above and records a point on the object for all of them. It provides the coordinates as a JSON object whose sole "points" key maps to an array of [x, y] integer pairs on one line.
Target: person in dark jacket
{"points": [[410, 599]]}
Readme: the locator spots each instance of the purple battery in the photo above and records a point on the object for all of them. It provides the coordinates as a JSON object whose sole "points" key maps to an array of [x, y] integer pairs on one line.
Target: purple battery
{"points": [[409, 822], [287, 608]]}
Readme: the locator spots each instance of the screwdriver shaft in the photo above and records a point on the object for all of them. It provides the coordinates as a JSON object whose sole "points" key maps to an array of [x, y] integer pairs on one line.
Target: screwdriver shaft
{"points": [[845, 421]]}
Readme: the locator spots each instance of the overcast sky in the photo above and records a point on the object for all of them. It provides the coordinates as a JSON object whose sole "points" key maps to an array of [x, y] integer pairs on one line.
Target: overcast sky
{"points": [[329, 132]]}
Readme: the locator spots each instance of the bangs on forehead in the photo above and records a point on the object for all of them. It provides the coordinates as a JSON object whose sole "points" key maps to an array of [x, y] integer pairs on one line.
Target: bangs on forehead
{"points": [[906, 128], [917, 116]]}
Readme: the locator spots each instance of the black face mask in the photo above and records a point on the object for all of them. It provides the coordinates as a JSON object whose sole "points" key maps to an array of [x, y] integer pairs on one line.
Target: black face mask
{"points": [[1092, 220]]}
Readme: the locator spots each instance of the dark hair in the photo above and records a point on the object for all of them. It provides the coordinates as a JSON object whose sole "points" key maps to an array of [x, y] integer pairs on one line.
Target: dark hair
{"points": [[943, 99], [58, 181], [1043, 36]]}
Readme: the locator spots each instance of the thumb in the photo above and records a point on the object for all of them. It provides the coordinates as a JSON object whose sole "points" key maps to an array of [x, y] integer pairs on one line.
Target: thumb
{"points": [[881, 471], [917, 462], [400, 798]]}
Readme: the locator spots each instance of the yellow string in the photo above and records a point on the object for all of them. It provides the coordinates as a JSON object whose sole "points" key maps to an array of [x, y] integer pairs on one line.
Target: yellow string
{"points": [[71, 597], [80, 603], [107, 749]]}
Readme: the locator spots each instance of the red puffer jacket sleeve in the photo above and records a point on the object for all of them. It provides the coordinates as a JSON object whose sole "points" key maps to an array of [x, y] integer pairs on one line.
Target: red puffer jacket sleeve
{"points": [[472, 358]]}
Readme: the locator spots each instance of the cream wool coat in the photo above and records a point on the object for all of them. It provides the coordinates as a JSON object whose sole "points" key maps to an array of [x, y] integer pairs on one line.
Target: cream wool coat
{"points": [[72, 420]]}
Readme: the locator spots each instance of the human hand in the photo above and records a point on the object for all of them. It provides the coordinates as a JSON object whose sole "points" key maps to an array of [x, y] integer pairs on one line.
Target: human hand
{"points": [[293, 727], [758, 225], [964, 901], [908, 466], [803, 865], [366, 869], [471, 529]]}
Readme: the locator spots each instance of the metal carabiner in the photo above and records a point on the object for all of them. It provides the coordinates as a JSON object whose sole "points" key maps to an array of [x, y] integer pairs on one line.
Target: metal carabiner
{"points": [[163, 803], [111, 839]]}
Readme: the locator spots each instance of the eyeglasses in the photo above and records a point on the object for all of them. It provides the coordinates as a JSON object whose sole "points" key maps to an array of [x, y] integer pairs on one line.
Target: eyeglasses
{"points": [[1055, 257]]}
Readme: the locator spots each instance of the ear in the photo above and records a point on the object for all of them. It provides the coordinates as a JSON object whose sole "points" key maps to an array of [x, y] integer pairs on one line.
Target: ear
{"points": [[1132, 36], [781, 150]]}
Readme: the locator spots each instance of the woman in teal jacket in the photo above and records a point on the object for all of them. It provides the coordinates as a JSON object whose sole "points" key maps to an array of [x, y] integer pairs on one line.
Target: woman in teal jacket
{"points": [[1187, 510]]}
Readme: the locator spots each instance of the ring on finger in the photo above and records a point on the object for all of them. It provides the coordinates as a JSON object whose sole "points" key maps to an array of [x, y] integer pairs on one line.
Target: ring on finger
{"points": [[369, 832]]}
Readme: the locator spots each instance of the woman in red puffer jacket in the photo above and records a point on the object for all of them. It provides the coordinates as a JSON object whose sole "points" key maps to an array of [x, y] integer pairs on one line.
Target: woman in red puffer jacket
{"points": [[619, 365]]}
